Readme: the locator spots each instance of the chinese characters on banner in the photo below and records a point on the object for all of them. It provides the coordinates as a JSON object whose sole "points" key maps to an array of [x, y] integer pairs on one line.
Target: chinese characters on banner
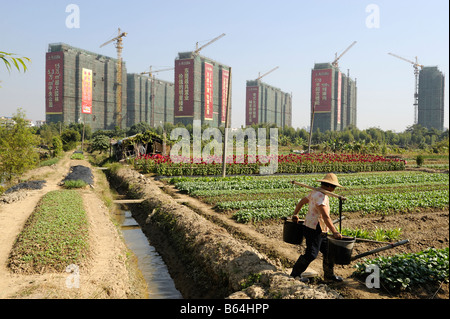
{"points": [[86, 91], [252, 105], [225, 77], [321, 90], [184, 88], [54, 66], [209, 91]]}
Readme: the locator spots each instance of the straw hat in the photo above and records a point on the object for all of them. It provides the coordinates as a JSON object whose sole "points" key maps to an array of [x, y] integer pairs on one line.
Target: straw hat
{"points": [[331, 178]]}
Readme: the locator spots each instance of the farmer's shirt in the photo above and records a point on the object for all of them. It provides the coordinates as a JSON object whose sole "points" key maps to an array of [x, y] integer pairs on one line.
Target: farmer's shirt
{"points": [[316, 199]]}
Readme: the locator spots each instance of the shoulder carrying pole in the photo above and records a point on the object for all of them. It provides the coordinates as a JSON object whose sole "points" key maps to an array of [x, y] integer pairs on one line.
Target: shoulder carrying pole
{"points": [[341, 198]]}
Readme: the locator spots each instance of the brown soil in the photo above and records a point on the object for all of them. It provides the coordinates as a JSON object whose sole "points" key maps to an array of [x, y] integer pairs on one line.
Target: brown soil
{"points": [[109, 273]]}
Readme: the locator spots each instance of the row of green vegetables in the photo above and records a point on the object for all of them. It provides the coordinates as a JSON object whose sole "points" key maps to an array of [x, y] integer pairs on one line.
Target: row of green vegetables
{"points": [[408, 270], [368, 193]]}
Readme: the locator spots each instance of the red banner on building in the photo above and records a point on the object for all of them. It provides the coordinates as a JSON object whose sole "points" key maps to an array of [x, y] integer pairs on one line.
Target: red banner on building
{"points": [[251, 105], [184, 88], [321, 85], [209, 107], [54, 76], [225, 79], [86, 91]]}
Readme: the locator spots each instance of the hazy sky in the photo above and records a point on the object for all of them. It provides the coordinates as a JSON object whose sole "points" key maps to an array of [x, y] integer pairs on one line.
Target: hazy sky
{"points": [[260, 35]]}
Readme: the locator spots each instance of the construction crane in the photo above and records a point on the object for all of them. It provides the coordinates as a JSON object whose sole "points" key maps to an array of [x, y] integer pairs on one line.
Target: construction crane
{"points": [[335, 62], [150, 73], [261, 76], [416, 66], [119, 48], [197, 49], [152, 96]]}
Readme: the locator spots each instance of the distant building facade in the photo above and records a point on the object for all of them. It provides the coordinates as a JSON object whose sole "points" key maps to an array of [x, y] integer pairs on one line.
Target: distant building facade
{"points": [[333, 98], [81, 86], [267, 104], [431, 98], [201, 87]]}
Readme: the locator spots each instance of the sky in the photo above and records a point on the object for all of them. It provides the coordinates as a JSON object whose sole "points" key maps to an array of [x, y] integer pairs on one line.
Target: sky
{"points": [[260, 35]]}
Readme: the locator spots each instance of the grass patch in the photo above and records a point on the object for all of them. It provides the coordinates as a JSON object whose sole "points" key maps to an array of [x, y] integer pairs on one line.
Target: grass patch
{"points": [[55, 235], [77, 156], [49, 162], [78, 183]]}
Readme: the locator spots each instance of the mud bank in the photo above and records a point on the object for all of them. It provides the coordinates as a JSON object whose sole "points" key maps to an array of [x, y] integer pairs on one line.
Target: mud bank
{"points": [[204, 260]]}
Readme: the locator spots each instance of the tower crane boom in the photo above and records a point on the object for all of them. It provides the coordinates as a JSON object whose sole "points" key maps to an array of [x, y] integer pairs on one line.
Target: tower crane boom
{"points": [[150, 73], [335, 62], [415, 64], [119, 48], [210, 42], [261, 76]]}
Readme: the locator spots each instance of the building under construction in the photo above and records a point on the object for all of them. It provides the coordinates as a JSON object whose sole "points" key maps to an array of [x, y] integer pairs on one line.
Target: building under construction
{"points": [[149, 100], [333, 98], [201, 88], [81, 86], [267, 104], [431, 98]]}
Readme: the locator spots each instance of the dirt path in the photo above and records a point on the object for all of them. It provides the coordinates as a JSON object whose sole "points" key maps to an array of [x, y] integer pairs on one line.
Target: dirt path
{"points": [[108, 273]]}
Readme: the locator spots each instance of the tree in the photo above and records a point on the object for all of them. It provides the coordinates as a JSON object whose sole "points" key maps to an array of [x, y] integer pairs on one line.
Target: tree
{"points": [[17, 147], [69, 138], [10, 61]]}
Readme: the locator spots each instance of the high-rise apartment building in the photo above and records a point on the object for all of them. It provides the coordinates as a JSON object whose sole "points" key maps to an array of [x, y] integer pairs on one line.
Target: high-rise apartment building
{"points": [[81, 86], [267, 104], [201, 87], [431, 98], [149, 100], [333, 98]]}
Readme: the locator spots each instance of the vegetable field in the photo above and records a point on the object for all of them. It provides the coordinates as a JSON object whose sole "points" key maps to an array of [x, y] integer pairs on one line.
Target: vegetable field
{"points": [[380, 206], [259, 198]]}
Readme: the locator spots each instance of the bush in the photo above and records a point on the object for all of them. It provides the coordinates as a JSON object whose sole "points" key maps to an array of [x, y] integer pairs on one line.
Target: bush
{"points": [[420, 160], [100, 143]]}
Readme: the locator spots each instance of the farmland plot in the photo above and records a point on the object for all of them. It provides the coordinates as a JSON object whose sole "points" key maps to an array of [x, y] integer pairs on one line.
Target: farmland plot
{"points": [[386, 206], [257, 198]]}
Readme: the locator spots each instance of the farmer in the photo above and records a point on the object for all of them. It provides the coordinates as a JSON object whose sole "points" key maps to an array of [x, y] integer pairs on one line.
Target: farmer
{"points": [[315, 228]]}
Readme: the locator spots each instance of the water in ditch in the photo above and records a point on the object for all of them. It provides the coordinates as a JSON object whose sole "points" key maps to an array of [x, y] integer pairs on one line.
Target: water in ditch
{"points": [[160, 284]]}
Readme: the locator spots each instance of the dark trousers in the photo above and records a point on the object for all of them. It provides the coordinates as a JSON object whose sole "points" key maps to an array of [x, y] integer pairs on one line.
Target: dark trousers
{"points": [[315, 241]]}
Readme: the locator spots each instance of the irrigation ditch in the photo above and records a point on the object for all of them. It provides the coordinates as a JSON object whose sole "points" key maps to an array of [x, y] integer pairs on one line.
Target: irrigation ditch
{"points": [[203, 258]]}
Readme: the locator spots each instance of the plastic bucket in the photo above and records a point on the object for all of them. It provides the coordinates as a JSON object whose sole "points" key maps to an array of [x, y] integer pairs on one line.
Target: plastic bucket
{"points": [[340, 250], [293, 232]]}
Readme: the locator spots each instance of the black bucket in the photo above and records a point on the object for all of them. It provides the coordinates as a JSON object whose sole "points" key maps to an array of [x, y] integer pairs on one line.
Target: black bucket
{"points": [[293, 232], [340, 250]]}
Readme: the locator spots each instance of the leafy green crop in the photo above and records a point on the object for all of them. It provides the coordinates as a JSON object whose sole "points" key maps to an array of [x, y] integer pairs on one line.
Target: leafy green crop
{"points": [[255, 198], [404, 271], [55, 236]]}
